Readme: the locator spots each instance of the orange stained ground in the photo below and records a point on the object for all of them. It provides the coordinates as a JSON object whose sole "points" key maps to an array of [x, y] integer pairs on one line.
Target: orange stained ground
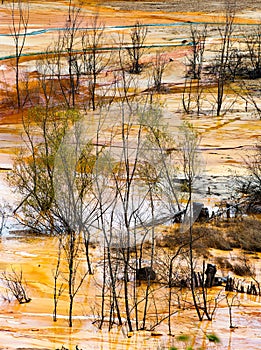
{"points": [[30, 325]]}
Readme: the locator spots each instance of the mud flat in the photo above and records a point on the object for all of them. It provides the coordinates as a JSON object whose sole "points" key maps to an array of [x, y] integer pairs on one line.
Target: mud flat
{"points": [[28, 326], [225, 142]]}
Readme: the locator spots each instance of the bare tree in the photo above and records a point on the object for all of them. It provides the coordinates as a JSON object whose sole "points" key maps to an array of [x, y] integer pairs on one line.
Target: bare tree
{"points": [[192, 88], [136, 48], [253, 42], [187, 96], [71, 246], [195, 60], [231, 300], [189, 146], [19, 27], [60, 68], [15, 284], [223, 59], [48, 96], [249, 186], [191, 170], [159, 66], [94, 60], [58, 288], [67, 43], [250, 94], [70, 69]]}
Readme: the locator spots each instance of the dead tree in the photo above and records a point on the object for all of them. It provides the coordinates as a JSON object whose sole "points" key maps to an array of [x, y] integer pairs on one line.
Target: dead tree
{"points": [[19, 27], [15, 284], [159, 66], [223, 59], [195, 59], [94, 61], [136, 49], [231, 300], [68, 43], [58, 288], [192, 89], [253, 42]]}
